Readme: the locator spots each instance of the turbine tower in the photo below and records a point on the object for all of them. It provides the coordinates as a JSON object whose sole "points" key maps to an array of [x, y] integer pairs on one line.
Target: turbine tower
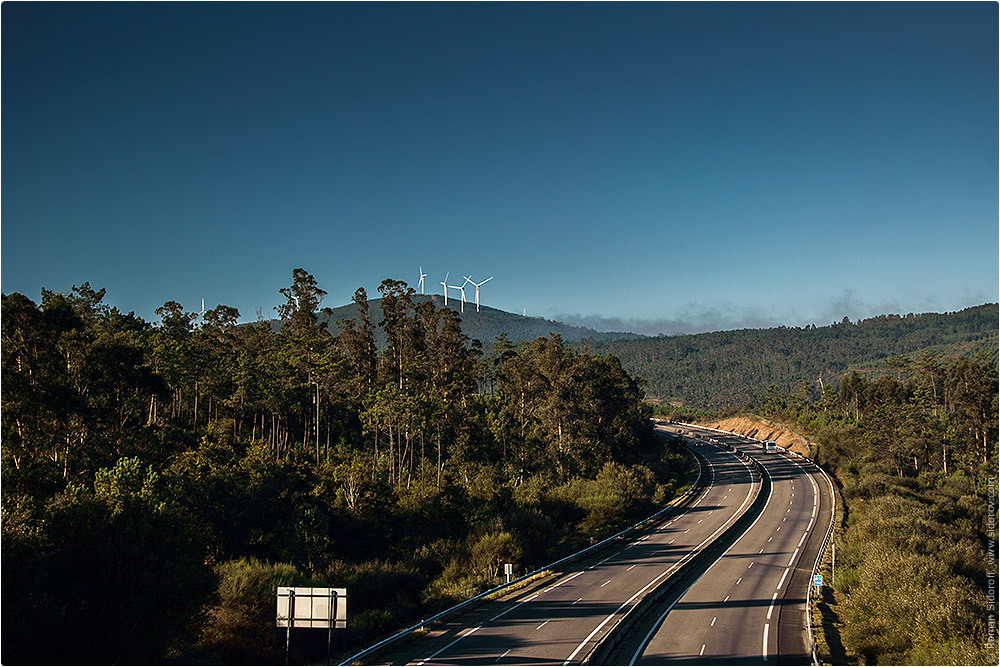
{"points": [[462, 288], [478, 285], [420, 284], [445, 283]]}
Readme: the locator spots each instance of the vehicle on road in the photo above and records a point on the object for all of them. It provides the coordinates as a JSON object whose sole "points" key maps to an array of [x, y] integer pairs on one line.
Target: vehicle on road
{"points": [[769, 447]]}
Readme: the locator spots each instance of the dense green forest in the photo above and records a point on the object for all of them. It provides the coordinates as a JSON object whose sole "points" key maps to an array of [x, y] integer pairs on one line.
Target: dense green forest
{"points": [[160, 479], [914, 451], [734, 368]]}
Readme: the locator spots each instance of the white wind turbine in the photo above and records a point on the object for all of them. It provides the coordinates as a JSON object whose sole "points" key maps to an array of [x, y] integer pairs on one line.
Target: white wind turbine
{"points": [[478, 285], [423, 275], [445, 283], [462, 288]]}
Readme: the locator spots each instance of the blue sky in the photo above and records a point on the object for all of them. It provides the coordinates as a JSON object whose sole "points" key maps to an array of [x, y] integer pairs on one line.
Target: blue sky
{"points": [[659, 167]]}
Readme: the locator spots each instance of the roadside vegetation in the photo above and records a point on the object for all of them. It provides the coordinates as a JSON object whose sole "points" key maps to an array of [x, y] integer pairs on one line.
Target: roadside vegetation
{"points": [[161, 479], [914, 451]]}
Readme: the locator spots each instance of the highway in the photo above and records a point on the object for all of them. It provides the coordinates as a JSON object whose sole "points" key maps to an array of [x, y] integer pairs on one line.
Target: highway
{"points": [[749, 606], [561, 619]]}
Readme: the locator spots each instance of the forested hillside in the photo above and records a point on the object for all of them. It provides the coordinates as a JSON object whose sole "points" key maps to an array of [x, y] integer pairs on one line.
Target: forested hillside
{"points": [[916, 461], [160, 479], [735, 368]]}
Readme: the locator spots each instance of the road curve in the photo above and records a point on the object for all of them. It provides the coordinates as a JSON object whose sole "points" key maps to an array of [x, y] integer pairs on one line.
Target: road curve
{"points": [[561, 620], [749, 606]]}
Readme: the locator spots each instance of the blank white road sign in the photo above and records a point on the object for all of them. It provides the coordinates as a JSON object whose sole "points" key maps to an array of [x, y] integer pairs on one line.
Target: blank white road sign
{"points": [[312, 607]]}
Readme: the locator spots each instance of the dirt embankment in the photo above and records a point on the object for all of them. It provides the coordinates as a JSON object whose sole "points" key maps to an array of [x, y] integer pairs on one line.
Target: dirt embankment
{"points": [[763, 429]]}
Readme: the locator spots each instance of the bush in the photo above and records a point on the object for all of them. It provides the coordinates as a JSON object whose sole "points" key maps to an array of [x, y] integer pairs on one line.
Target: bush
{"points": [[240, 626]]}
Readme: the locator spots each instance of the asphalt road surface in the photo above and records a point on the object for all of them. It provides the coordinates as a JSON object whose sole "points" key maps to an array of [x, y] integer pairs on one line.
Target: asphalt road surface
{"points": [[561, 619], [749, 606]]}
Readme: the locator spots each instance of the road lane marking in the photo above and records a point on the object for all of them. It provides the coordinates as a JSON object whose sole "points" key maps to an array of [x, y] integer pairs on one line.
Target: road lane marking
{"points": [[803, 538], [725, 600], [459, 638], [771, 606], [645, 641], [766, 626], [702, 651], [712, 624], [750, 565], [564, 581], [577, 600], [543, 625], [605, 583], [504, 655], [739, 580], [790, 560], [510, 609], [630, 568], [605, 560], [781, 583]]}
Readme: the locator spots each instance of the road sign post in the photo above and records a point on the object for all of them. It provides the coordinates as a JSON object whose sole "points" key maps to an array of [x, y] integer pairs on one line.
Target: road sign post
{"points": [[291, 621], [311, 608]]}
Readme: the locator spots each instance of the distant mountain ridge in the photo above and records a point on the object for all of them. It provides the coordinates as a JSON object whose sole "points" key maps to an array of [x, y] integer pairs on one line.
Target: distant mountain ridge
{"points": [[735, 368], [483, 326]]}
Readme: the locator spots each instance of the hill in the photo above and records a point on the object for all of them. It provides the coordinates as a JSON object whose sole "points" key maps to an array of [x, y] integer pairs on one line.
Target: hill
{"points": [[734, 368], [483, 326]]}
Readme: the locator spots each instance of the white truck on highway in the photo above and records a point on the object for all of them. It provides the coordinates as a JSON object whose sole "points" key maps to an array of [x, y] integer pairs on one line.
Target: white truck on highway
{"points": [[769, 447]]}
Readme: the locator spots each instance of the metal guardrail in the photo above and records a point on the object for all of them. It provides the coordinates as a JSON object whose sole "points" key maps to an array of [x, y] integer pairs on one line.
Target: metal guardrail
{"points": [[826, 539], [451, 610], [819, 559], [628, 620]]}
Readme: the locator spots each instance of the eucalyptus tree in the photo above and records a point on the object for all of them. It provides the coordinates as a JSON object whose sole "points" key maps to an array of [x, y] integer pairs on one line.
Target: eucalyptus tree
{"points": [[356, 343], [308, 351], [397, 300], [174, 355]]}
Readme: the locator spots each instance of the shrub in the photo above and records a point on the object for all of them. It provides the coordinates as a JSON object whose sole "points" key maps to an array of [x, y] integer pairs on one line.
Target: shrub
{"points": [[240, 625]]}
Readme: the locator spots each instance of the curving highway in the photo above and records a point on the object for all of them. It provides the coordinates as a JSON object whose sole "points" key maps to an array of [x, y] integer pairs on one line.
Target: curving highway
{"points": [[749, 605], [562, 619]]}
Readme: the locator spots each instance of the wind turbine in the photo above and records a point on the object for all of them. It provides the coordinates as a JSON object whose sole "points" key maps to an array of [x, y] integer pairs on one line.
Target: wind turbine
{"points": [[423, 275], [478, 285], [462, 288], [445, 283]]}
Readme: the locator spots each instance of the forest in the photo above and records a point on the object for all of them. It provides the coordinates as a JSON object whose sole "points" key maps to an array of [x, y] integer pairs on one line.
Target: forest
{"points": [[733, 369], [161, 478], [914, 453]]}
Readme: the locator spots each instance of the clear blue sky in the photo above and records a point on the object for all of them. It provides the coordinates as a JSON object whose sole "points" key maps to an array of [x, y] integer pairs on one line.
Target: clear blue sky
{"points": [[652, 166]]}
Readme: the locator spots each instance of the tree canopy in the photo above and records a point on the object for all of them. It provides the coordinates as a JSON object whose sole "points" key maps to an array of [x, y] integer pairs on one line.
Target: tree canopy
{"points": [[161, 478]]}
